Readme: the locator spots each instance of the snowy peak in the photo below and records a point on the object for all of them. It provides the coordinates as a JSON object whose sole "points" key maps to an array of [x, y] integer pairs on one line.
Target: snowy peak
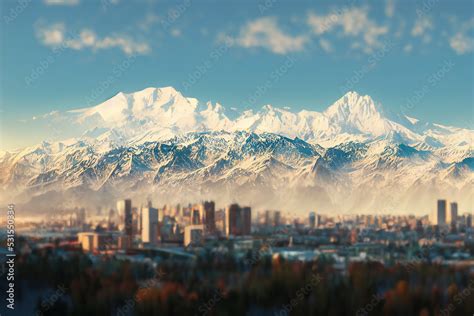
{"points": [[144, 104], [157, 141], [352, 107], [158, 113]]}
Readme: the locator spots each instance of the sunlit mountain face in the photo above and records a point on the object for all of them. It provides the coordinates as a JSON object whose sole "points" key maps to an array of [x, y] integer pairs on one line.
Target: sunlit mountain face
{"points": [[353, 157]]}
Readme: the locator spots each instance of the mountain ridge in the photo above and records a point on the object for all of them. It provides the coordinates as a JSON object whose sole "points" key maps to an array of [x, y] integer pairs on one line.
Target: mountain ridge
{"points": [[156, 141], [160, 113]]}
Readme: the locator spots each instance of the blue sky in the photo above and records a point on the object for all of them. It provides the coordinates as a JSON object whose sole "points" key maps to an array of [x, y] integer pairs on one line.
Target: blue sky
{"points": [[415, 56]]}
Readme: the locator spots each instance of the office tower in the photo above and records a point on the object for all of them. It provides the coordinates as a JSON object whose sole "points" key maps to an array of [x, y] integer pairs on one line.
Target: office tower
{"points": [[196, 215], [237, 220], [277, 218], [161, 214], [453, 214], [193, 235], [124, 208], [136, 221], [80, 216], [312, 219], [210, 217], [268, 218], [139, 221], [469, 221], [232, 219], [441, 213], [272, 218], [149, 225], [246, 220], [220, 220]]}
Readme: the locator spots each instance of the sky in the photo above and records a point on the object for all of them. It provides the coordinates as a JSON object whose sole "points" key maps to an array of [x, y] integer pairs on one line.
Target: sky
{"points": [[412, 56]]}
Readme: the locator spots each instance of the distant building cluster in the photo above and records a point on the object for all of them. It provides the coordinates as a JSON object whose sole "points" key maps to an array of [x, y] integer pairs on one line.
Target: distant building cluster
{"points": [[449, 218], [146, 226], [128, 226]]}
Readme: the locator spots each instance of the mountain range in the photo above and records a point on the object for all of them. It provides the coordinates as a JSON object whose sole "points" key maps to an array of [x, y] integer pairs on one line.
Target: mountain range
{"points": [[157, 144]]}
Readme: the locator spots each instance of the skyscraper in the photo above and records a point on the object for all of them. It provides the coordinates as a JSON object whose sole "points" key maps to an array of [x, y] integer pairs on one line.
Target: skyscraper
{"points": [[124, 208], [209, 217], [196, 214], [267, 220], [232, 219], [246, 220], [81, 216], [453, 214], [440, 219], [312, 219], [149, 225], [277, 218], [237, 220]]}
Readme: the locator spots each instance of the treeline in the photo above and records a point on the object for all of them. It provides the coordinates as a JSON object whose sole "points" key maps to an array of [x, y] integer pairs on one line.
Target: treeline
{"points": [[219, 284]]}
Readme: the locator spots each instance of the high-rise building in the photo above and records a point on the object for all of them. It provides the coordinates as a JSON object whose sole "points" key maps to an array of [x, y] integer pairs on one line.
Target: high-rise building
{"points": [[268, 221], [149, 225], [272, 218], [453, 214], [124, 208], [195, 217], [80, 216], [136, 221], [193, 235], [277, 218], [469, 221], [237, 220], [232, 220], [246, 220], [312, 219], [209, 217], [440, 219]]}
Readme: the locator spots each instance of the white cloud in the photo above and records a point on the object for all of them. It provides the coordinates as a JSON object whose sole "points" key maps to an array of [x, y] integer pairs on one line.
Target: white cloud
{"points": [[354, 22], [61, 2], [51, 35], [54, 35], [390, 8], [325, 45], [422, 25], [321, 24], [265, 33], [462, 41]]}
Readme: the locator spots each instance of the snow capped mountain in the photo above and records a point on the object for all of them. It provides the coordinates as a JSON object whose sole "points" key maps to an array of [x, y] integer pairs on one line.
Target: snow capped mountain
{"points": [[161, 113], [158, 142]]}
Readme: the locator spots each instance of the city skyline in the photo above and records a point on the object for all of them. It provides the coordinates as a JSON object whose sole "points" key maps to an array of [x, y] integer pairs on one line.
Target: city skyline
{"points": [[266, 157]]}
